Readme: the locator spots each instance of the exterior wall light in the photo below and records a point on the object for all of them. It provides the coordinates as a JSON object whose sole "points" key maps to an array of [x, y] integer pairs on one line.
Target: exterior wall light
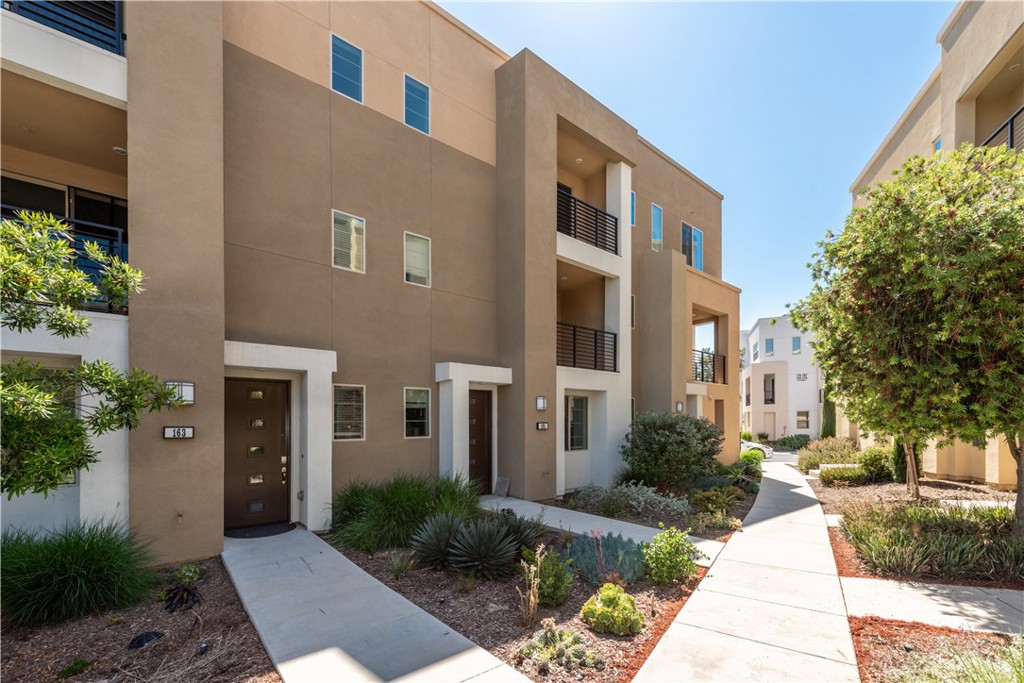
{"points": [[542, 403], [679, 406], [186, 391]]}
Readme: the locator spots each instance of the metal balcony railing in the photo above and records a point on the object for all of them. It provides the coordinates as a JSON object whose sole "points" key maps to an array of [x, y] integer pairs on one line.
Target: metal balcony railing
{"points": [[584, 347], [110, 240], [1010, 133], [587, 223], [708, 367], [99, 23]]}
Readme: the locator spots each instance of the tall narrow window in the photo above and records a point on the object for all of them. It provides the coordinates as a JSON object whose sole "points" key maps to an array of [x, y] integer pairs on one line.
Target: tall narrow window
{"points": [[632, 311], [687, 243], [576, 423], [346, 69], [754, 354], [417, 413], [417, 105], [656, 242], [348, 412], [796, 344], [769, 389], [417, 259], [803, 419], [769, 347], [632, 209], [698, 249], [349, 235]]}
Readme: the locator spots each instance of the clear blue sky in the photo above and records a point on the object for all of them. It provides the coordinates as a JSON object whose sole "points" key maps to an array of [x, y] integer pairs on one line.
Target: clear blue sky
{"points": [[778, 106]]}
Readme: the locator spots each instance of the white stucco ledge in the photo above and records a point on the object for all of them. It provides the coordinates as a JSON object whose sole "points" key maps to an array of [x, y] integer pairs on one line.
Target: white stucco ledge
{"points": [[477, 374]]}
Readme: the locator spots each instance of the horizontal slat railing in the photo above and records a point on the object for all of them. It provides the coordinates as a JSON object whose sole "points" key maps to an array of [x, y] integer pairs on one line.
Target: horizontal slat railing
{"points": [[1010, 133], [98, 23], [708, 367], [587, 223], [585, 347]]}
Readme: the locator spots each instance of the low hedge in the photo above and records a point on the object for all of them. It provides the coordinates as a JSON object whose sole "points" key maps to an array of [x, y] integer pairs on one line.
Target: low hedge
{"points": [[844, 476], [830, 450]]}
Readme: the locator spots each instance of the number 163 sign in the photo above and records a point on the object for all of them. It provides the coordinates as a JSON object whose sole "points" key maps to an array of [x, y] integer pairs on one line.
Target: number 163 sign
{"points": [[179, 432]]}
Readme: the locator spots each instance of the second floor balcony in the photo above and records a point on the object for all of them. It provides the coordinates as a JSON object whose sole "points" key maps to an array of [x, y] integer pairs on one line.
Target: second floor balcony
{"points": [[708, 367], [587, 223], [98, 23], [585, 347], [1010, 133]]}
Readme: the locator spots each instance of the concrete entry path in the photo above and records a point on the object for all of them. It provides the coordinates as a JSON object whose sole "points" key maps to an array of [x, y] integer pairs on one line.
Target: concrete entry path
{"points": [[771, 607], [322, 618], [584, 523]]}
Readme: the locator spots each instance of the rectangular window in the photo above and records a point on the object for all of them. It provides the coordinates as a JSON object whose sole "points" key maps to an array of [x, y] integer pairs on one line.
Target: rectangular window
{"points": [[769, 347], [937, 145], [803, 419], [349, 242], [417, 105], [576, 423], [698, 249], [417, 259], [632, 209], [755, 351], [656, 227], [632, 311], [687, 243], [769, 389], [346, 69], [417, 413], [796, 344], [348, 412]]}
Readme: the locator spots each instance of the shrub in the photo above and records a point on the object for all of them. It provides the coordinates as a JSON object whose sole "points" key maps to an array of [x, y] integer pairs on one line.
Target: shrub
{"points": [[482, 548], [612, 610], [351, 503], [715, 500], [563, 646], [586, 498], [830, 450], [703, 521], [645, 500], [793, 442], [525, 531], [611, 505], [667, 449], [78, 570], [670, 556], [762, 437], [899, 460], [839, 477], [400, 563], [1004, 665], [752, 459], [746, 436], [433, 539], [187, 574], [554, 573], [606, 558], [877, 463]]}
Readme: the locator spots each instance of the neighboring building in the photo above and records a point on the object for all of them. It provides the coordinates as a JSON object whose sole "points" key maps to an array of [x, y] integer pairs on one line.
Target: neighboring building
{"points": [[373, 243], [975, 95], [779, 382]]}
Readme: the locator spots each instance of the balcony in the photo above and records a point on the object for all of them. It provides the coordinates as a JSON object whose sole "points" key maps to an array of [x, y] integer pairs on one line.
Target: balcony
{"points": [[110, 240], [708, 367], [98, 23], [585, 347], [1011, 133], [587, 223]]}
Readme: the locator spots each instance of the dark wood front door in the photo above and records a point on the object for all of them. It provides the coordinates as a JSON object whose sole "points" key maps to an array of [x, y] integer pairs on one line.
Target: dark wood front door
{"points": [[256, 459], [480, 438]]}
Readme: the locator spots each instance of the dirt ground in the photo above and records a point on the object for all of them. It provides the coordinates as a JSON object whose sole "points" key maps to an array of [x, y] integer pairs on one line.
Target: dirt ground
{"points": [[489, 616], [234, 653], [834, 498]]}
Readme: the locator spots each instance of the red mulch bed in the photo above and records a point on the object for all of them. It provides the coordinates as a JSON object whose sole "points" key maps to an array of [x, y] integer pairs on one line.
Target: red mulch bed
{"points": [[848, 563], [884, 645]]}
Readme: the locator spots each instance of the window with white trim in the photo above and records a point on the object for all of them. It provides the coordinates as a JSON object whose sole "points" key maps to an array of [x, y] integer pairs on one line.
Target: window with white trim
{"points": [[417, 413], [769, 347], [417, 259], [803, 419], [349, 412], [346, 68], [576, 409], [417, 105], [348, 238], [796, 344], [656, 215]]}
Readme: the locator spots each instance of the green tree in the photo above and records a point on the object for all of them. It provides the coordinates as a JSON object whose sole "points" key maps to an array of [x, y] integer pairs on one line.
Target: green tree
{"points": [[45, 437], [918, 305]]}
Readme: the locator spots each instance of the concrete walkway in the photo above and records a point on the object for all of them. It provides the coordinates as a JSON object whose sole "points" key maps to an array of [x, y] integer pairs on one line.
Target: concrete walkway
{"points": [[582, 523], [322, 618], [771, 606]]}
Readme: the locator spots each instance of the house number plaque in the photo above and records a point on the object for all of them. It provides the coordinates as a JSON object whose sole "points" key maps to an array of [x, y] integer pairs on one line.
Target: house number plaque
{"points": [[179, 432]]}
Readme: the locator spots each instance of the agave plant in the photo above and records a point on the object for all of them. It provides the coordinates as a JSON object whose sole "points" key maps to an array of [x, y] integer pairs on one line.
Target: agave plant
{"points": [[432, 540], [482, 548]]}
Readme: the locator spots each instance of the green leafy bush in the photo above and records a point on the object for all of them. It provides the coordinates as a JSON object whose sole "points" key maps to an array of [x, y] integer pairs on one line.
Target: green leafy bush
{"points": [[793, 442], [715, 500], [844, 476], [762, 437], [78, 570], [830, 450], [432, 540], [605, 558], [876, 462], [612, 610], [666, 449], [719, 519], [752, 459], [555, 574], [899, 460], [187, 574], [670, 556], [374, 517], [482, 548], [746, 436], [645, 500], [561, 646]]}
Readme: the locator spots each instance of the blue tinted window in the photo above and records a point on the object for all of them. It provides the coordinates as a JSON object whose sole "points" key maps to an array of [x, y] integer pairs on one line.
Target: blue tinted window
{"points": [[769, 347], [632, 208], [687, 242], [698, 249], [417, 105], [346, 69], [655, 227]]}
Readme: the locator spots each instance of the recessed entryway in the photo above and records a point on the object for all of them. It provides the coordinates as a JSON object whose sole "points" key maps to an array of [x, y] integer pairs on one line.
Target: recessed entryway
{"points": [[257, 463], [480, 438]]}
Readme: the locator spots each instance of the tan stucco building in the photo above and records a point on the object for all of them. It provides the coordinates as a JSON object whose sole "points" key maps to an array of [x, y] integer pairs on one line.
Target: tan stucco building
{"points": [[373, 243], [975, 95]]}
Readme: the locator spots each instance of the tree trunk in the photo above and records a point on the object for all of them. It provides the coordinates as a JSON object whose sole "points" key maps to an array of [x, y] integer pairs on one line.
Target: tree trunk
{"points": [[913, 488], [1016, 443]]}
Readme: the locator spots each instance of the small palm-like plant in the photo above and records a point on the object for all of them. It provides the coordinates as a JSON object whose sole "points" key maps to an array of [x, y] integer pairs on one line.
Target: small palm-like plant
{"points": [[432, 540], [483, 548]]}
